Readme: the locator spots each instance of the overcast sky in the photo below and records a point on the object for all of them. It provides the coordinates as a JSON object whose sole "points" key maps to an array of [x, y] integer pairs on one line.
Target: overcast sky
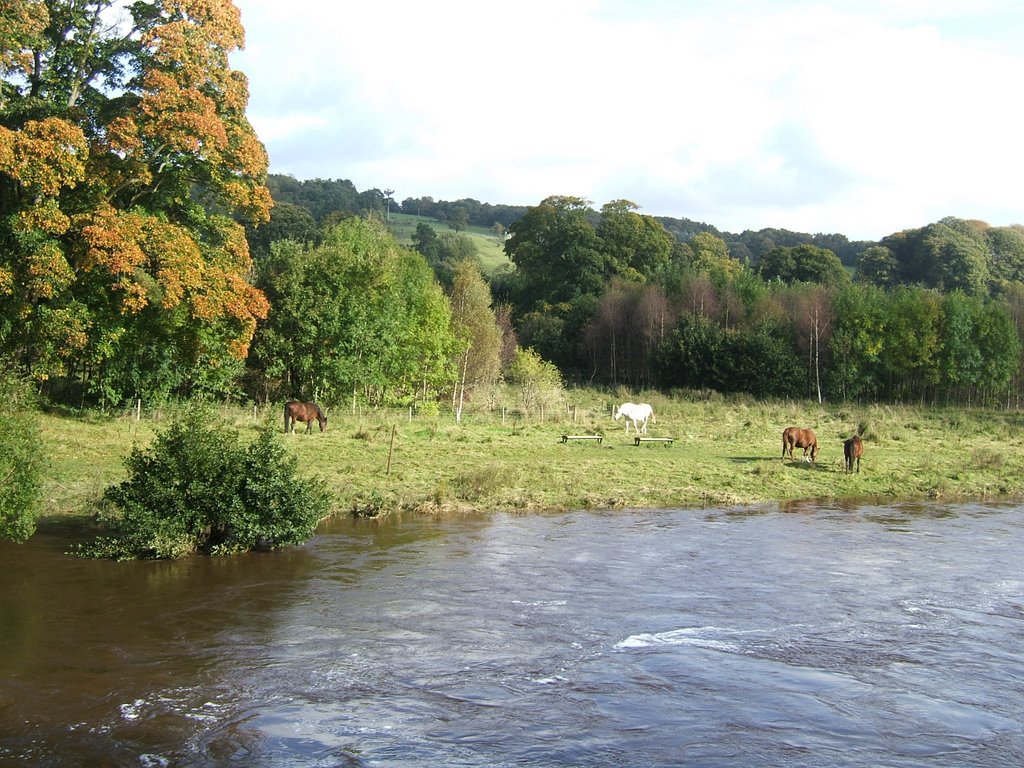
{"points": [[862, 117]]}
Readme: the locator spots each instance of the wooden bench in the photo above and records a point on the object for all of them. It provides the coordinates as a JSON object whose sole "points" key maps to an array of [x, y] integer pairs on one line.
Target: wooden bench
{"points": [[567, 438], [666, 440]]}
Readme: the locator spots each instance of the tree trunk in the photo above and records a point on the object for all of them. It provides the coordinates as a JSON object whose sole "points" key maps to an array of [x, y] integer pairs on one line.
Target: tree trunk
{"points": [[462, 388], [817, 353]]}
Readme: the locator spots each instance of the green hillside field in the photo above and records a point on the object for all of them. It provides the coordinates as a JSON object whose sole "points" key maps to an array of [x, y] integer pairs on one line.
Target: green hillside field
{"points": [[489, 247]]}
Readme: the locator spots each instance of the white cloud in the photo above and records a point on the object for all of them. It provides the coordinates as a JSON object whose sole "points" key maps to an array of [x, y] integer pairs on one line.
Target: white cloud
{"points": [[862, 118]]}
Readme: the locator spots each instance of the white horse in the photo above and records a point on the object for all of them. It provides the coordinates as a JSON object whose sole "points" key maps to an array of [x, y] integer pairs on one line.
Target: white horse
{"points": [[638, 413]]}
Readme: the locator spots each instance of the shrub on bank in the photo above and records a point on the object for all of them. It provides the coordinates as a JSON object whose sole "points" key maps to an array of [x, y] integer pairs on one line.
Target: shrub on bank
{"points": [[199, 489], [21, 459]]}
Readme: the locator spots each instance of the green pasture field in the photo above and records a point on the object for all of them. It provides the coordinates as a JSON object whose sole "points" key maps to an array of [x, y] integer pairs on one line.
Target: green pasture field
{"points": [[725, 453], [490, 250]]}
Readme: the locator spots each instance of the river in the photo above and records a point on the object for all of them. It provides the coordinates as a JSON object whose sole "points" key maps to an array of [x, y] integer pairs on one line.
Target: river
{"points": [[804, 635]]}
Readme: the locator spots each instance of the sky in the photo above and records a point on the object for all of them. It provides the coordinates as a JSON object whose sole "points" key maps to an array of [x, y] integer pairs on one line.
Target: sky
{"points": [[862, 118]]}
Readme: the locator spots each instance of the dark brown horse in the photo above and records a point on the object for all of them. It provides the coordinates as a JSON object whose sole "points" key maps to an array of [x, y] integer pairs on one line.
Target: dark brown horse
{"points": [[794, 437], [307, 412], [852, 449]]}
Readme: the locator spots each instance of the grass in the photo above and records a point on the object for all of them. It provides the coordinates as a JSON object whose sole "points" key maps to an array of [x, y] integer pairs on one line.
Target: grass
{"points": [[490, 249], [725, 453]]}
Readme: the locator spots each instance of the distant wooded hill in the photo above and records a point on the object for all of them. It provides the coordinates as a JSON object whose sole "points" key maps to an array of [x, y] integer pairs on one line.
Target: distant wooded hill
{"points": [[330, 198]]}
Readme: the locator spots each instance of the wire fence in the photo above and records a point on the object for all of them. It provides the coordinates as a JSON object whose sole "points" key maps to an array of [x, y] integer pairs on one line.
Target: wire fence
{"points": [[257, 414]]}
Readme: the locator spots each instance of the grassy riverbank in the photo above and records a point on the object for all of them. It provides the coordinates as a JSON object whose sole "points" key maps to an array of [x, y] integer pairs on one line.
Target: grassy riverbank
{"points": [[724, 453]]}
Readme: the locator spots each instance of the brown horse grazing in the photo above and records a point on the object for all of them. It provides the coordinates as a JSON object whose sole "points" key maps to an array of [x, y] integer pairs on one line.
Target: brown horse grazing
{"points": [[307, 412], [794, 437], [852, 449]]}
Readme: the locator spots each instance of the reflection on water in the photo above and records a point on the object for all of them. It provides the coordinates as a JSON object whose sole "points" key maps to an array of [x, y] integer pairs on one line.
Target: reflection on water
{"points": [[811, 634]]}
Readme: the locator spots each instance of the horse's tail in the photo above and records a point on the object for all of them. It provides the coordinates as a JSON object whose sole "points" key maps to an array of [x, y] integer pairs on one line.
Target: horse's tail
{"points": [[286, 419]]}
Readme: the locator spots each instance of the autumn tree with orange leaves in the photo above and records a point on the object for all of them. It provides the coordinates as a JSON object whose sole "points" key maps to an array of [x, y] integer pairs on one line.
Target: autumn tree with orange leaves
{"points": [[127, 171]]}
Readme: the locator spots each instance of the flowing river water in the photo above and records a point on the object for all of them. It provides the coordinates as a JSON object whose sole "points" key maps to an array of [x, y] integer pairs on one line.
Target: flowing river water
{"points": [[806, 635]]}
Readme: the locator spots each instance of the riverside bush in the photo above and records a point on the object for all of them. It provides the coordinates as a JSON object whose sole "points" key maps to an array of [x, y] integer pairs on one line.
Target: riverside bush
{"points": [[200, 489], [21, 459]]}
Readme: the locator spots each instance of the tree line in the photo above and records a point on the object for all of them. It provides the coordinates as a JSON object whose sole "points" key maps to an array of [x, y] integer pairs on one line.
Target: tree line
{"points": [[321, 200], [933, 315]]}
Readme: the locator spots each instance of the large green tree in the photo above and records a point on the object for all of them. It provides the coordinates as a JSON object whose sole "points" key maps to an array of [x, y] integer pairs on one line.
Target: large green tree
{"points": [[709, 254], [951, 254], [560, 270], [632, 242], [911, 345], [1000, 346], [355, 314], [126, 161], [1006, 245], [557, 253], [802, 263], [959, 356], [980, 347], [877, 266], [856, 342]]}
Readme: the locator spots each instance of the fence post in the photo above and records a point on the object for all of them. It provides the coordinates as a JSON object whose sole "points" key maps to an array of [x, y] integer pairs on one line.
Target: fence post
{"points": [[391, 448]]}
